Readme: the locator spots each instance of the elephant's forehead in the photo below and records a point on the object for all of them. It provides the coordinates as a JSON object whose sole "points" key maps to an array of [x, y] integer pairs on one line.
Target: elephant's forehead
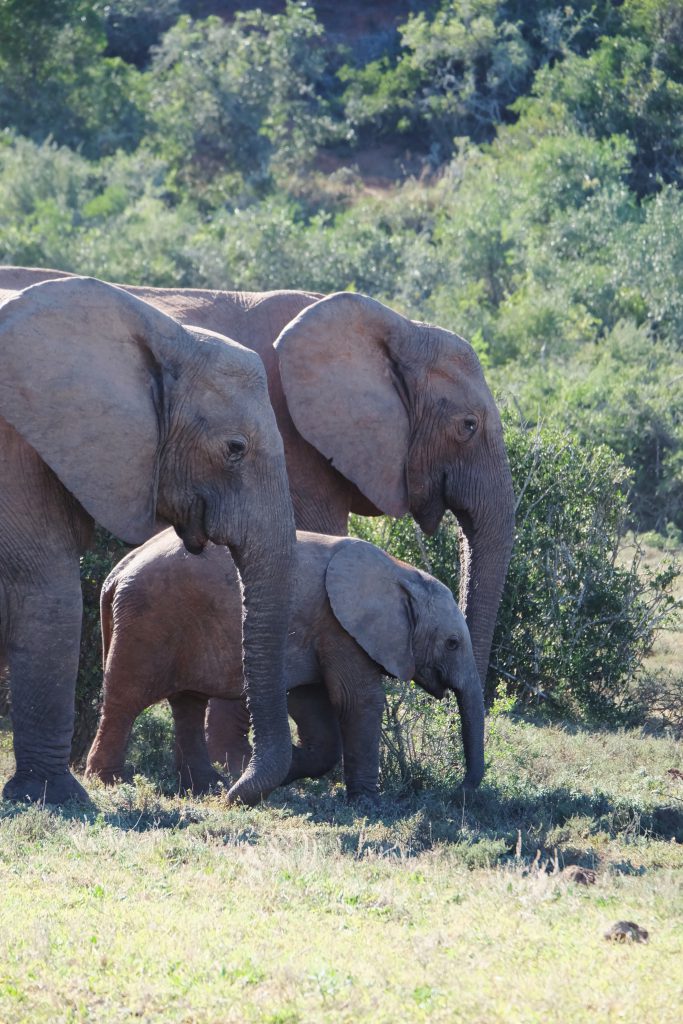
{"points": [[441, 603], [230, 363]]}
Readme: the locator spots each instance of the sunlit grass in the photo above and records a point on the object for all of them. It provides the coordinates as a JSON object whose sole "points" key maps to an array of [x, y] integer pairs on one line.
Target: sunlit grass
{"points": [[148, 907]]}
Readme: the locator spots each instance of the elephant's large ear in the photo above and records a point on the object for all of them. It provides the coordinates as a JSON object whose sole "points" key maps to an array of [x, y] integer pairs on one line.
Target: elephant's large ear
{"points": [[343, 387], [82, 380], [368, 597]]}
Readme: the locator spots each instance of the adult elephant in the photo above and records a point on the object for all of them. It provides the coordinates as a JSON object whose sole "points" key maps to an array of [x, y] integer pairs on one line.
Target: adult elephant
{"points": [[110, 410], [379, 414]]}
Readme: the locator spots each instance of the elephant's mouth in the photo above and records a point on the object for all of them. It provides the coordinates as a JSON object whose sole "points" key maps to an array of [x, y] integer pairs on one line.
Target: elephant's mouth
{"points": [[433, 686], [193, 533]]}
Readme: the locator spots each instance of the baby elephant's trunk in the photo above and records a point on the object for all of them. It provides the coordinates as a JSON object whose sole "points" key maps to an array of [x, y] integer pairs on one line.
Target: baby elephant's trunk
{"points": [[471, 705]]}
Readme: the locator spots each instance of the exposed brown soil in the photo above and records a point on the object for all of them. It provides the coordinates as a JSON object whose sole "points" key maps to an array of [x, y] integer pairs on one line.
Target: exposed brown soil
{"points": [[380, 167]]}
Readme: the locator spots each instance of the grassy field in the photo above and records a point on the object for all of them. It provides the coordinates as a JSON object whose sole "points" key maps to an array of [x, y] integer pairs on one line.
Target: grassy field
{"points": [[667, 653], [147, 907]]}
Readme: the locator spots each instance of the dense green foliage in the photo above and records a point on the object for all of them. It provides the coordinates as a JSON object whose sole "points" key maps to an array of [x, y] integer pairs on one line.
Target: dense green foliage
{"points": [[148, 142]]}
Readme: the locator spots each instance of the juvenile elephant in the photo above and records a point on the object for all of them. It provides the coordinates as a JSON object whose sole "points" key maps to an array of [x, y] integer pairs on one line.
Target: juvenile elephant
{"points": [[356, 614], [110, 410]]}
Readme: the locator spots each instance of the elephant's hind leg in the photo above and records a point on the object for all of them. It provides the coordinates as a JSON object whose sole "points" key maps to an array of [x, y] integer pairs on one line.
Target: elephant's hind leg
{"points": [[106, 759], [319, 748], [227, 734], [196, 773]]}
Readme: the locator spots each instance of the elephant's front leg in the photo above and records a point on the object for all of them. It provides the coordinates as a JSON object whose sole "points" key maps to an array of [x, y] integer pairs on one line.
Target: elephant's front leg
{"points": [[193, 764], [319, 747], [360, 719], [42, 648]]}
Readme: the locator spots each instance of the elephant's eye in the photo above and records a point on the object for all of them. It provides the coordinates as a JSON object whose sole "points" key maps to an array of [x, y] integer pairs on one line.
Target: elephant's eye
{"points": [[452, 643], [236, 449], [470, 424]]}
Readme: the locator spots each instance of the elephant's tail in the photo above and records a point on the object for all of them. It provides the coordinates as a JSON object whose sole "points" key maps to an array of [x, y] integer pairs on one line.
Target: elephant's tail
{"points": [[107, 616]]}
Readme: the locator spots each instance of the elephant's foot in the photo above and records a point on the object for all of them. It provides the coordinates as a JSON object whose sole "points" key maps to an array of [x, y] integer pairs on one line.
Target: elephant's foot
{"points": [[363, 797], [38, 788], [109, 776], [201, 780], [468, 788]]}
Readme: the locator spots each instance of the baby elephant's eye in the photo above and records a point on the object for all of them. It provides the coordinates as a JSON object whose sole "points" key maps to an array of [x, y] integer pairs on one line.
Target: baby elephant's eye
{"points": [[236, 449], [470, 424], [452, 643]]}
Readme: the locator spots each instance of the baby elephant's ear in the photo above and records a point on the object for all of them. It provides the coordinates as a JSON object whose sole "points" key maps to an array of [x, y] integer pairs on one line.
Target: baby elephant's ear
{"points": [[365, 589]]}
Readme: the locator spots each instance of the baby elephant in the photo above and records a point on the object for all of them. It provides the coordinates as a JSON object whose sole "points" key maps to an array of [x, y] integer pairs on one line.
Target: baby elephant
{"points": [[171, 626]]}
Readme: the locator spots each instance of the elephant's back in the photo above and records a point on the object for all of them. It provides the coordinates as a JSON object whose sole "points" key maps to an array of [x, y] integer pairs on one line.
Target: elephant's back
{"points": [[191, 605], [15, 279], [253, 318]]}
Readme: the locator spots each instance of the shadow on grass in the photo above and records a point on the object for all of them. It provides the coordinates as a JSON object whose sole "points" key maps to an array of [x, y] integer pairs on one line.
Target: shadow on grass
{"points": [[502, 826], [548, 830], [433, 815], [482, 828]]}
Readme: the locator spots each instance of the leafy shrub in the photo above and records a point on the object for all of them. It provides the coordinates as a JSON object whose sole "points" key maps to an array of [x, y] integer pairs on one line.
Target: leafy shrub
{"points": [[242, 98], [454, 76], [150, 751], [56, 82], [619, 391], [632, 84], [574, 624], [459, 68]]}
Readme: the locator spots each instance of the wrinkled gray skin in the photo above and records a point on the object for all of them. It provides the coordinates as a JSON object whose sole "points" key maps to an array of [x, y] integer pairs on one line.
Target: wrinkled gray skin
{"points": [[356, 614], [378, 414], [110, 410]]}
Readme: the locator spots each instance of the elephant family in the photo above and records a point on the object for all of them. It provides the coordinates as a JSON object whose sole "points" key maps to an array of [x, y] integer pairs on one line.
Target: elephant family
{"points": [[112, 411], [378, 414], [356, 614]]}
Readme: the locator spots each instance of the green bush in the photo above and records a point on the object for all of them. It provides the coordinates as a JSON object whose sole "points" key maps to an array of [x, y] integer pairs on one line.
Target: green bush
{"points": [[241, 98], [621, 392], [455, 74], [575, 623], [56, 82], [631, 84]]}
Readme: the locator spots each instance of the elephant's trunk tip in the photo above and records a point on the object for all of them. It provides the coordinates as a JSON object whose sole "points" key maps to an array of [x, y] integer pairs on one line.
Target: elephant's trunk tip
{"points": [[256, 784]]}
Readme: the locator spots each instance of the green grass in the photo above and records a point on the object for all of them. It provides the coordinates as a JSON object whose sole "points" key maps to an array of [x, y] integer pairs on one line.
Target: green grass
{"points": [[147, 907]]}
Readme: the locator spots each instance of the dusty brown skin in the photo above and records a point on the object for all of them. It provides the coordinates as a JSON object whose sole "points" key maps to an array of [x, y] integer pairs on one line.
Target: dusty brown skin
{"points": [[378, 414], [357, 613], [110, 410]]}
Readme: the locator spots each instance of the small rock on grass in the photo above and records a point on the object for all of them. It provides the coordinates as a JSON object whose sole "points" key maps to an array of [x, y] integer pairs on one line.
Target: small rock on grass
{"points": [[626, 931], [582, 876]]}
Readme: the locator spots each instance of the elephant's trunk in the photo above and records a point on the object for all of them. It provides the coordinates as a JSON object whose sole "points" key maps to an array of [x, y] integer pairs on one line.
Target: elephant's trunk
{"points": [[471, 705], [265, 565], [486, 537]]}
